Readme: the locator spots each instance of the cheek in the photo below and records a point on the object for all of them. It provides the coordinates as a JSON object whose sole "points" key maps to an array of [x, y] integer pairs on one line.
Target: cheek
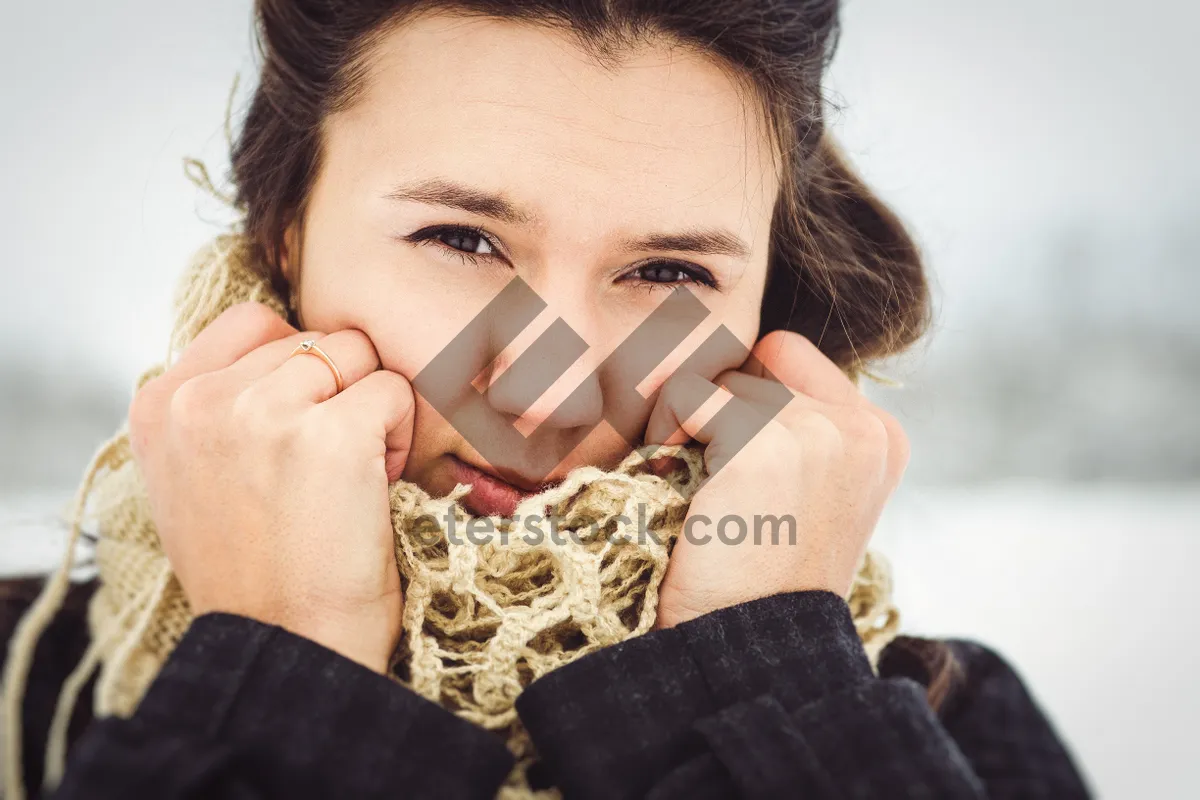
{"points": [[406, 339], [409, 316]]}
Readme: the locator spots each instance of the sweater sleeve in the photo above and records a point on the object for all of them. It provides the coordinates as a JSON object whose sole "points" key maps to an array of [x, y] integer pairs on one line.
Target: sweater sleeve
{"points": [[1003, 732], [772, 698], [242, 709]]}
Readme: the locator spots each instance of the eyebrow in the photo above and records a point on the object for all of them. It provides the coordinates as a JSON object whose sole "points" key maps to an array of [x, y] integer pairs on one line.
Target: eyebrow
{"points": [[704, 241], [438, 191]]}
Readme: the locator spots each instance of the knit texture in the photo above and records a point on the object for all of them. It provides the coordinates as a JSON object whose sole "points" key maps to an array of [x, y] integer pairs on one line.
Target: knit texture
{"points": [[481, 621]]}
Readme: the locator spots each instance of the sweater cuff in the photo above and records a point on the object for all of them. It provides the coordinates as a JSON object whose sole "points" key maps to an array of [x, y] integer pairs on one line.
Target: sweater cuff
{"points": [[796, 646], [629, 710], [317, 716]]}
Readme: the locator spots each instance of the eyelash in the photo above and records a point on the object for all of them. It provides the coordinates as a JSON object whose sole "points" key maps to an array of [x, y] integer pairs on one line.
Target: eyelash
{"points": [[429, 236]]}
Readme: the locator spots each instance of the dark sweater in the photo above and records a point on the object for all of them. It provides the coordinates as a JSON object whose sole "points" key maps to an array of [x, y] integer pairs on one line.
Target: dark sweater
{"points": [[772, 698]]}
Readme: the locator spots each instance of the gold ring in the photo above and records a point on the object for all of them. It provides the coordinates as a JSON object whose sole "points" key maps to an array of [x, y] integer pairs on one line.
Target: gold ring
{"points": [[309, 346]]}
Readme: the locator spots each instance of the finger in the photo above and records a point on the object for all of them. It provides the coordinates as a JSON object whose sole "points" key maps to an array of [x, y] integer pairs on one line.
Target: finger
{"points": [[723, 421], [797, 363], [266, 359], [769, 395], [384, 401], [306, 376], [239, 330], [899, 449], [681, 398]]}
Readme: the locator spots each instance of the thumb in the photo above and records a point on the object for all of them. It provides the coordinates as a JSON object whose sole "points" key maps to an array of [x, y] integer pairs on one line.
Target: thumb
{"points": [[797, 363]]}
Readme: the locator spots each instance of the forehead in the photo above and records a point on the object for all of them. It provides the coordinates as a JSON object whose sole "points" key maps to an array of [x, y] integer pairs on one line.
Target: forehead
{"points": [[521, 108]]}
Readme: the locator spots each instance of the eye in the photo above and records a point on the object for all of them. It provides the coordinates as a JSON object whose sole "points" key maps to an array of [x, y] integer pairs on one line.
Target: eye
{"points": [[666, 273], [461, 240]]}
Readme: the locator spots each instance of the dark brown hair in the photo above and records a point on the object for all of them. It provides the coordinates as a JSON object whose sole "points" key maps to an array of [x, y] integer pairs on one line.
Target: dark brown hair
{"points": [[843, 271]]}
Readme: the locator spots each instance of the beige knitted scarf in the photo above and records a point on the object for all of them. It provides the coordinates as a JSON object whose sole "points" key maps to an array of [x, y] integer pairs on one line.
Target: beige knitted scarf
{"points": [[480, 621]]}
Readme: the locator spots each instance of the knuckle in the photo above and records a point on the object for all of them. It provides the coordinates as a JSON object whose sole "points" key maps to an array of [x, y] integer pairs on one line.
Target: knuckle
{"points": [[143, 410], [899, 446], [866, 429], [153, 373], [256, 320], [777, 441], [359, 340], [193, 402], [794, 410], [820, 430], [256, 411], [774, 432], [145, 413], [895, 430], [398, 385], [328, 433], [785, 339]]}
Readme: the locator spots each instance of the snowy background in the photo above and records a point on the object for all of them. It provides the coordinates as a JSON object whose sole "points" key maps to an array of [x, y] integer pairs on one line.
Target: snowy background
{"points": [[1044, 151]]}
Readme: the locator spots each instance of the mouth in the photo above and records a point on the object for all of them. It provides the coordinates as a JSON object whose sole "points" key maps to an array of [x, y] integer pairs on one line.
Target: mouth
{"points": [[490, 494]]}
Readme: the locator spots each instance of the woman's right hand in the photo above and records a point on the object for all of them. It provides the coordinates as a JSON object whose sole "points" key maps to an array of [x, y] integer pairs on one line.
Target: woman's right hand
{"points": [[270, 493]]}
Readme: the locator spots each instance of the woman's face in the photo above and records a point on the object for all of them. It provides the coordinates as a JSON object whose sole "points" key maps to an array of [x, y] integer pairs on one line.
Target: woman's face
{"points": [[482, 151]]}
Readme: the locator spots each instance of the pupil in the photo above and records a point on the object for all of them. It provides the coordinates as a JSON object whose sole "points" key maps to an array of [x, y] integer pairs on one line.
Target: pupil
{"points": [[464, 241], [663, 273]]}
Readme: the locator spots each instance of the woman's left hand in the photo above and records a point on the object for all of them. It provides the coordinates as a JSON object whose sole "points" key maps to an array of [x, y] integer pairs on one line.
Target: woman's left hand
{"points": [[828, 461]]}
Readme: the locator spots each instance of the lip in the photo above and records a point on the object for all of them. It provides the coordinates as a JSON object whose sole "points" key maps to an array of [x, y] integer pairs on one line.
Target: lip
{"points": [[489, 495]]}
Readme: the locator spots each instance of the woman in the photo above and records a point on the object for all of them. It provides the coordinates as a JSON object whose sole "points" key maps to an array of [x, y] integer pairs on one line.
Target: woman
{"points": [[400, 166]]}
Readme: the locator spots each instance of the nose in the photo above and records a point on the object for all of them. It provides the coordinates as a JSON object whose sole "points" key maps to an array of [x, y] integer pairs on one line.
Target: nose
{"points": [[551, 383]]}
